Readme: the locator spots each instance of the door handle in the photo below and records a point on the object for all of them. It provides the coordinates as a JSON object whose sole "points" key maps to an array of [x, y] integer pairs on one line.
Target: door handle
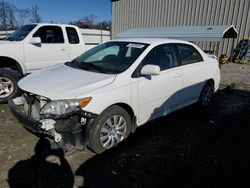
{"points": [[63, 49]]}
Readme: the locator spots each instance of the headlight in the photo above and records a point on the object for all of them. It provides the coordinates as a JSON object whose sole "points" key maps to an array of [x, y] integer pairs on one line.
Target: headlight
{"points": [[61, 107]]}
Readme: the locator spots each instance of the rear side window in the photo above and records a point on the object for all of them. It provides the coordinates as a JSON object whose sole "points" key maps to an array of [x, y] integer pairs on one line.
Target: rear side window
{"points": [[188, 54], [50, 34], [72, 35]]}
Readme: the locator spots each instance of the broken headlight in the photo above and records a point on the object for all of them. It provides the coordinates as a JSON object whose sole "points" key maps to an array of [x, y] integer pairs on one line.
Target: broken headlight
{"points": [[62, 107]]}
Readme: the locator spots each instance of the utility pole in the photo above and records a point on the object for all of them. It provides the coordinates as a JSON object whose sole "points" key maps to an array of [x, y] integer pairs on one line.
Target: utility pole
{"points": [[101, 33]]}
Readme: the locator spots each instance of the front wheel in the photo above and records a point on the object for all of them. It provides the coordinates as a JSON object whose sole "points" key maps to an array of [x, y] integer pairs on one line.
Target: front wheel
{"points": [[206, 94], [109, 129], [8, 85]]}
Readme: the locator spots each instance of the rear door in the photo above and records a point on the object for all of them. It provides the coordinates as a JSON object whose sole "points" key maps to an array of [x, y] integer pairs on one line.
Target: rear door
{"points": [[194, 73], [156, 93]]}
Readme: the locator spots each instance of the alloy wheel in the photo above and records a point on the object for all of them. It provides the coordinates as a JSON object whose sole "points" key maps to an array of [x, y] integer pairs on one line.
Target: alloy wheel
{"points": [[6, 87], [207, 94], [113, 131]]}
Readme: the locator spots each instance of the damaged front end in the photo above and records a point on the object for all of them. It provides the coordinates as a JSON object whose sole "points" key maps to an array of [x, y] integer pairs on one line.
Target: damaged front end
{"points": [[62, 120]]}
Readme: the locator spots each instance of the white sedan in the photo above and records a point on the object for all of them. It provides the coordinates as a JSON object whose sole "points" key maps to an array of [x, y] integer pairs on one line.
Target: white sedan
{"points": [[102, 96]]}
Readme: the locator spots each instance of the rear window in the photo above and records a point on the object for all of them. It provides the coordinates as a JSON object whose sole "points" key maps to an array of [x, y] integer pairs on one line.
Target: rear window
{"points": [[72, 35], [188, 54]]}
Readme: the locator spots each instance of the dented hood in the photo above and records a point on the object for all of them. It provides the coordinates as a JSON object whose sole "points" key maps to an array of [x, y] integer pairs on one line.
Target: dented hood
{"points": [[63, 82]]}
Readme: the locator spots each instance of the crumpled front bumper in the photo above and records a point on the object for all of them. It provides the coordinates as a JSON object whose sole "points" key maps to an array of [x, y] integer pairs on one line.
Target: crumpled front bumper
{"points": [[27, 122], [72, 131]]}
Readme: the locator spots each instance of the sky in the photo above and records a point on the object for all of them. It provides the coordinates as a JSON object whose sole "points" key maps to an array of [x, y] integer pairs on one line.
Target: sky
{"points": [[65, 11]]}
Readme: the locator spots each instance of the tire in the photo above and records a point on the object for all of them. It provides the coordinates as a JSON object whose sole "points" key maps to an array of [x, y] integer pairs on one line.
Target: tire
{"points": [[206, 94], [109, 129], [8, 85]]}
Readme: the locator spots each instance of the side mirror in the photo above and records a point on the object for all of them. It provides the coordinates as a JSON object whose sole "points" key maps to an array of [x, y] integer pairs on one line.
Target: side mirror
{"points": [[35, 40], [150, 70]]}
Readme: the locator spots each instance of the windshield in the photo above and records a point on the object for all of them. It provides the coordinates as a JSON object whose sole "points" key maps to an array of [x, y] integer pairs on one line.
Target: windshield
{"points": [[21, 33], [110, 57]]}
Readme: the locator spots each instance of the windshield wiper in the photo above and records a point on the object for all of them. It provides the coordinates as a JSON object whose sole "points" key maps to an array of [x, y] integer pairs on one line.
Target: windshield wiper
{"points": [[85, 66], [88, 66]]}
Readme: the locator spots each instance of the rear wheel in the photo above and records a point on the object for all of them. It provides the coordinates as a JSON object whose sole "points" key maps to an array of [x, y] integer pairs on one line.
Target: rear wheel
{"points": [[109, 129], [8, 85], [206, 94]]}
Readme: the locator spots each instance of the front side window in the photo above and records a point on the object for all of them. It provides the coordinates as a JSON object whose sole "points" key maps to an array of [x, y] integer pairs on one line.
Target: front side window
{"points": [[164, 56], [72, 35], [50, 34], [110, 57], [188, 54]]}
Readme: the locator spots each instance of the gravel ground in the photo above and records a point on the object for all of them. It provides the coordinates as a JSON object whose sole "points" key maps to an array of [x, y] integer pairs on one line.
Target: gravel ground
{"points": [[191, 147], [237, 74]]}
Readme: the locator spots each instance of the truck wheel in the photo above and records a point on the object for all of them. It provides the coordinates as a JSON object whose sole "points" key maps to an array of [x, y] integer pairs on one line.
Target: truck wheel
{"points": [[8, 85], [109, 129]]}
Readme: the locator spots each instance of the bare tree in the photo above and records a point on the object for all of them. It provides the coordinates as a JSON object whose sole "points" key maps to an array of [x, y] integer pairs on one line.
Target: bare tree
{"points": [[12, 10], [104, 25], [22, 16], [8, 15], [87, 21], [3, 14], [90, 20], [35, 17], [12, 17]]}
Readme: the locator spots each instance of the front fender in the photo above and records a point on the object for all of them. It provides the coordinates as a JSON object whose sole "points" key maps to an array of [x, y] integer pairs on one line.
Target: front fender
{"points": [[14, 52], [19, 62], [102, 100]]}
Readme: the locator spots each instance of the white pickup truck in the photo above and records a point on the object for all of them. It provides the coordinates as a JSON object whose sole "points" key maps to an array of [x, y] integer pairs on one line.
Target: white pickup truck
{"points": [[34, 47]]}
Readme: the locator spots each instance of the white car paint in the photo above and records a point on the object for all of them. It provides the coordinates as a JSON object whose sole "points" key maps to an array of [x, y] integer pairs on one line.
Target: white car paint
{"points": [[60, 76], [13, 50], [156, 91], [44, 55], [32, 57], [148, 98]]}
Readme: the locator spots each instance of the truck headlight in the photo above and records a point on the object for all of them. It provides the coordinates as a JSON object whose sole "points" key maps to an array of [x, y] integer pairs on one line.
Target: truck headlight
{"points": [[61, 107]]}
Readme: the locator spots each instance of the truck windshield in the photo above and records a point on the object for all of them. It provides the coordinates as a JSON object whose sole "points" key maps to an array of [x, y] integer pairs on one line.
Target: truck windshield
{"points": [[109, 58], [21, 33]]}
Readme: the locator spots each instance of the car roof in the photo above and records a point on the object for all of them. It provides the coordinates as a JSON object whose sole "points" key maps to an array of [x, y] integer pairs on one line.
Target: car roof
{"points": [[53, 24], [152, 40]]}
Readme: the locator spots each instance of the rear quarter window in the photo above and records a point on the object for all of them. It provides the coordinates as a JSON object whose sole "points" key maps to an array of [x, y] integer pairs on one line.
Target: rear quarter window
{"points": [[188, 54], [72, 35]]}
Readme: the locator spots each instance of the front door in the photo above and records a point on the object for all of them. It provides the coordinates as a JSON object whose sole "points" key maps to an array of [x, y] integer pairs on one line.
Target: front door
{"points": [[156, 93], [53, 49]]}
